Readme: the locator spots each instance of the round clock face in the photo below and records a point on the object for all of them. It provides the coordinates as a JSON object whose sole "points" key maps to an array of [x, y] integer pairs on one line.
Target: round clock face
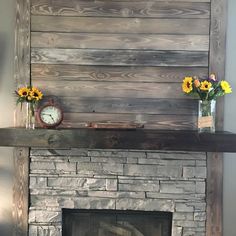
{"points": [[50, 116]]}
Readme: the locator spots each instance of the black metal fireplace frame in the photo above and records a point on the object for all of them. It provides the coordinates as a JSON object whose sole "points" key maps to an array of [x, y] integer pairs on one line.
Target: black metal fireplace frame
{"points": [[162, 215]]}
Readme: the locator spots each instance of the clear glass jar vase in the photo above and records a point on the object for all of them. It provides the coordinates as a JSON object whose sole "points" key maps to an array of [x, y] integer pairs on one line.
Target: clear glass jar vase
{"points": [[206, 116], [24, 115], [30, 116]]}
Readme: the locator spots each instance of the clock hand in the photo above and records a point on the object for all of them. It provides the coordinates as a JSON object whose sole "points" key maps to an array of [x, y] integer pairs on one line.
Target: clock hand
{"points": [[51, 117], [46, 114]]}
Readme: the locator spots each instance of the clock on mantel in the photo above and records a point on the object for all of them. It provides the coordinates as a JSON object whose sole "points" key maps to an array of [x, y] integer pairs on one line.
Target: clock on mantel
{"points": [[50, 115]]}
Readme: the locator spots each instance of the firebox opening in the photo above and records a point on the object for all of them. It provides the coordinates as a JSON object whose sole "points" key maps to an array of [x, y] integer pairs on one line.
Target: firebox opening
{"points": [[77, 222]]}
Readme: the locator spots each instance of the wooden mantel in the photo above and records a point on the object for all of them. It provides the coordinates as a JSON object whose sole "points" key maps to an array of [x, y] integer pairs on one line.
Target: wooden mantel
{"points": [[139, 139]]}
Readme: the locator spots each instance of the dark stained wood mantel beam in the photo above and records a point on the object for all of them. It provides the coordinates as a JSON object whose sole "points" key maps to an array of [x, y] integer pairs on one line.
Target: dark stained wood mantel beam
{"points": [[139, 139]]}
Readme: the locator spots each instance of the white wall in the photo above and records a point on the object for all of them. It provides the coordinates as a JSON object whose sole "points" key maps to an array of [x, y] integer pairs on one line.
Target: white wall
{"points": [[230, 125], [7, 10]]}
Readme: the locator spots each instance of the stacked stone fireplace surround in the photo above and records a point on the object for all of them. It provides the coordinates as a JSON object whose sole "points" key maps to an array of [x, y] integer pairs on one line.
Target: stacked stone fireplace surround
{"points": [[117, 179]]}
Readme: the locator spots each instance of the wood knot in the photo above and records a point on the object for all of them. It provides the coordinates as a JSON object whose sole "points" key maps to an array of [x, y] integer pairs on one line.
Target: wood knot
{"points": [[53, 140], [114, 140]]}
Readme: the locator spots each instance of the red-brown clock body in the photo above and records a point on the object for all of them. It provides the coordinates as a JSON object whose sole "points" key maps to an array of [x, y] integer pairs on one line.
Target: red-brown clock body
{"points": [[50, 115]]}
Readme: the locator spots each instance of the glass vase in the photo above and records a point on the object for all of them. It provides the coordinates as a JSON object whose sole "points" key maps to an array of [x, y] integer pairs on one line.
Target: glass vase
{"points": [[206, 116], [30, 116]]}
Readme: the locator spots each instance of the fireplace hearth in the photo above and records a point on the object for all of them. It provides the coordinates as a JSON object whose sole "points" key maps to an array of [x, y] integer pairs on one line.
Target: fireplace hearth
{"points": [[115, 223]]}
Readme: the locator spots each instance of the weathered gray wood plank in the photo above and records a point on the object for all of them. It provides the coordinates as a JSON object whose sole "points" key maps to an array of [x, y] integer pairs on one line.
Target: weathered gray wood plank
{"points": [[215, 161], [129, 105], [114, 73], [214, 219], [120, 41], [121, 9], [217, 49], [119, 57], [21, 155], [21, 191], [22, 43], [171, 122], [111, 89], [162, 0], [119, 25]]}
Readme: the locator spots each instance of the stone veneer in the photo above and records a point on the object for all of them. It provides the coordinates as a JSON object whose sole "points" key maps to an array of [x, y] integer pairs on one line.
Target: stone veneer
{"points": [[117, 179]]}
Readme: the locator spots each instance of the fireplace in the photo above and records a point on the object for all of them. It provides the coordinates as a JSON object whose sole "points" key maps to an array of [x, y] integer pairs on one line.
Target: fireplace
{"points": [[115, 223], [119, 183]]}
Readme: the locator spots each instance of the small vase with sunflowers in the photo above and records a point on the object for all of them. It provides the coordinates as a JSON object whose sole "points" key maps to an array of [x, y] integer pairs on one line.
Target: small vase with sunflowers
{"points": [[28, 98], [206, 90]]}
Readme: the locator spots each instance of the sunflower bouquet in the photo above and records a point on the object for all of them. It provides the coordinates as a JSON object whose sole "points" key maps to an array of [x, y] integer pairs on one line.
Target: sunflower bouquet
{"points": [[30, 96], [205, 89]]}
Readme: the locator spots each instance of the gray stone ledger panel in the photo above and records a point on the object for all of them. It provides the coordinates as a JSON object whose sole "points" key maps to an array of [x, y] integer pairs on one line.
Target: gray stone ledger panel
{"points": [[117, 179]]}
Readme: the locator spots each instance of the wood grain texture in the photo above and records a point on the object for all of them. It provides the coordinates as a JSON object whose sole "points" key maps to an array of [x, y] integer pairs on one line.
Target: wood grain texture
{"points": [[22, 43], [217, 50], [114, 73], [21, 155], [162, 0], [114, 125], [214, 194], [21, 191], [139, 139], [129, 105], [121, 9], [215, 161], [22, 47], [108, 54], [119, 25], [120, 41], [119, 57], [168, 122], [111, 89]]}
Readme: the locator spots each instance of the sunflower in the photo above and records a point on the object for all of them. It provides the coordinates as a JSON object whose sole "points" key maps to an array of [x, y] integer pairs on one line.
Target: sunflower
{"points": [[187, 85], [23, 92], [225, 86], [205, 85], [36, 94]]}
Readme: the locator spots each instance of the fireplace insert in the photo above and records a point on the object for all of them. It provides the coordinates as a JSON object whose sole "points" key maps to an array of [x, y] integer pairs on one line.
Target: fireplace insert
{"points": [[77, 222]]}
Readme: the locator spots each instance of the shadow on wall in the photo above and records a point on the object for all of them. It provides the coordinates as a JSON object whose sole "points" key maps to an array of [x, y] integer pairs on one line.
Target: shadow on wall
{"points": [[5, 173], [5, 229], [6, 179], [2, 52]]}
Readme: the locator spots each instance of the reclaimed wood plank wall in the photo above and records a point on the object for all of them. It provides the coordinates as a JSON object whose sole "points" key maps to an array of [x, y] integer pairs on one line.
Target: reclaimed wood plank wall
{"points": [[20, 209], [120, 60]]}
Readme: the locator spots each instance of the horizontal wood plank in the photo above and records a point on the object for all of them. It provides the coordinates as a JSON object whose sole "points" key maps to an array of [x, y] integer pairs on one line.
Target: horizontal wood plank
{"points": [[140, 139], [114, 73], [172, 122], [162, 0], [119, 57], [120, 41], [119, 25], [129, 105], [111, 89], [121, 8]]}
